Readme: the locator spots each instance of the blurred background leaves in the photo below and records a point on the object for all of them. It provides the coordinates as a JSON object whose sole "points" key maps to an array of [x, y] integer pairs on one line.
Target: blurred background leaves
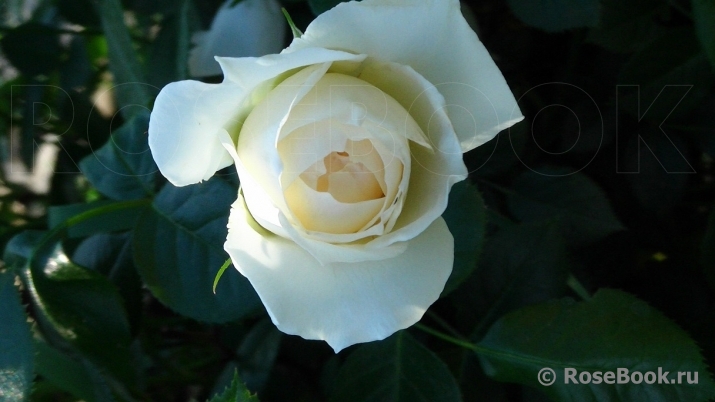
{"points": [[585, 235]]}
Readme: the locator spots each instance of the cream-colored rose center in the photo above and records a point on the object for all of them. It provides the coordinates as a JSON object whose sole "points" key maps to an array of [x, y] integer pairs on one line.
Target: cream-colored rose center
{"points": [[342, 192], [346, 178], [345, 156]]}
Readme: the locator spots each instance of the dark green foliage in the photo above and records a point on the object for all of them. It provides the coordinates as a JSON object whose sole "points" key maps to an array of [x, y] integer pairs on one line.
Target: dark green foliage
{"points": [[106, 274], [123, 169], [556, 15], [466, 219], [237, 392], [704, 16], [396, 369], [33, 48], [571, 199], [613, 330], [178, 250], [320, 6], [16, 353]]}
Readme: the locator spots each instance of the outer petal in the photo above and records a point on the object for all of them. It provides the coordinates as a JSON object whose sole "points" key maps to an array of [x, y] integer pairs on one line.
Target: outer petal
{"points": [[342, 304], [248, 71], [251, 28], [188, 116], [434, 170], [433, 38], [184, 127], [257, 144]]}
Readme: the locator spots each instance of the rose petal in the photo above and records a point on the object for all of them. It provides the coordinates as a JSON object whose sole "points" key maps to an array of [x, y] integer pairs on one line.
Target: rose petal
{"points": [[433, 38], [257, 142], [251, 28], [345, 303], [189, 115], [184, 129], [266, 213], [433, 171], [319, 211], [248, 71], [354, 252]]}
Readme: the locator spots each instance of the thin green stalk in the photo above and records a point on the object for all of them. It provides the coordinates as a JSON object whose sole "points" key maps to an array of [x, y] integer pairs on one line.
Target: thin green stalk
{"points": [[444, 324], [487, 351], [77, 219], [578, 288]]}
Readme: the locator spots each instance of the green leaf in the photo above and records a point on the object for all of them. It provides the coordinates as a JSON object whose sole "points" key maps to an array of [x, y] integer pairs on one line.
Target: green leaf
{"points": [[79, 378], [170, 50], [704, 16], [662, 170], [556, 15], [220, 272], [673, 59], [178, 246], [111, 255], [123, 168], [76, 70], [612, 330], [16, 352], [466, 219], [627, 25], [80, 307], [96, 217], [32, 48], [708, 250], [132, 92], [396, 369], [500, 154], [19, 249], [237, 392], [257, 354], [579, 205], [320, 6], [521, 265]]}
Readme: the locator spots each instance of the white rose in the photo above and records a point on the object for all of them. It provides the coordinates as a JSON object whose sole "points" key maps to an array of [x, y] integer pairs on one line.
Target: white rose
{"points": [[346, 145]]}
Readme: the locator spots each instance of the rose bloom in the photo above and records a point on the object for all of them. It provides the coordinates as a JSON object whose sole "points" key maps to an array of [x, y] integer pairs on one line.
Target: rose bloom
{"points": [[346, 145]]}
